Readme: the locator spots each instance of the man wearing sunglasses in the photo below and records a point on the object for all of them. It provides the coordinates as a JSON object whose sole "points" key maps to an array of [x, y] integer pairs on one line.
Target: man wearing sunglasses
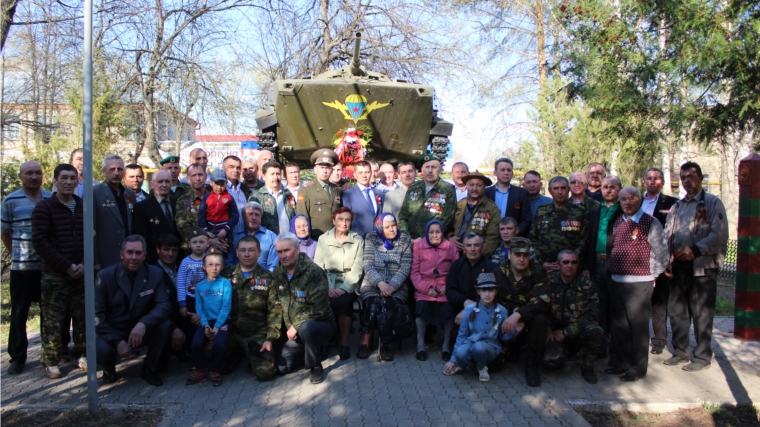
{"points": [[569, 302]]}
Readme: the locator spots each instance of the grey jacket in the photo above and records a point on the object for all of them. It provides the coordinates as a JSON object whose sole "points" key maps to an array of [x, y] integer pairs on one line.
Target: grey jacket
{"points": [[393, 201], [342, 263], [709, 231], [391, 266]]}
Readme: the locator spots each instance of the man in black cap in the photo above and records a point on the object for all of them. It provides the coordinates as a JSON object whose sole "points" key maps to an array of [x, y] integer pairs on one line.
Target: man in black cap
{"points": [[319, 199]]}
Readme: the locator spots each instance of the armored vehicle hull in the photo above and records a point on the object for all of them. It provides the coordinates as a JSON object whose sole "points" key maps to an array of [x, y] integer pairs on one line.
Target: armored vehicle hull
{"points": [[306, 114]]}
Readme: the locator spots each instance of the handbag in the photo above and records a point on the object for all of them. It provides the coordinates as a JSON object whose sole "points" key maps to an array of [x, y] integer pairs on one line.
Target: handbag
{"points": [[394, 321]]}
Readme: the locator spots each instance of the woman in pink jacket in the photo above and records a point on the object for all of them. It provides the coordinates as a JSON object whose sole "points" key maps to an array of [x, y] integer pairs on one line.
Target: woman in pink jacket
{"points": [[431, 261]]}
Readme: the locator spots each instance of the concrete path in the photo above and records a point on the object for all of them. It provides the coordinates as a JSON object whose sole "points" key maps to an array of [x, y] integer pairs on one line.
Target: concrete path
{"points": [[402, 392]]}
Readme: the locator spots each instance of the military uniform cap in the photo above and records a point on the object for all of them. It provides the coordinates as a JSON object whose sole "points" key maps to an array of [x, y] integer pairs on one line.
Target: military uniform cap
{"points": [[195, 232], [427, 158], [169, 159], [324, 156], [519, 245], [218, 175], [486, 280], [486, 180]]}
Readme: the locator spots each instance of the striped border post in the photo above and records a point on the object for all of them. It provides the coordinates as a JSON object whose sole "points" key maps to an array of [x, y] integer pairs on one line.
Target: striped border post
{"points": [[747, 320]]}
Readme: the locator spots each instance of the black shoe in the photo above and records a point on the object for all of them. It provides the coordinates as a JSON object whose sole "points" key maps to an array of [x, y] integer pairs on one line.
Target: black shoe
{"points": [[601, 355], [386, 353], [363, 352], [109, 375], [317, 374], [16, 368], [183, 357], [675, 360], [615, 371], [589, 375], [446, 355], [532, 375], [151, 378], [323, 351], [229, 368], [422, 356], [657, 349], [345, 352], [629, 377]]}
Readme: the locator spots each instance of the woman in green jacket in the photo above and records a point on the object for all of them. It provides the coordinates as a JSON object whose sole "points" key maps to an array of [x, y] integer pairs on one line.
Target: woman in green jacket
{"points": [[339, 253]]}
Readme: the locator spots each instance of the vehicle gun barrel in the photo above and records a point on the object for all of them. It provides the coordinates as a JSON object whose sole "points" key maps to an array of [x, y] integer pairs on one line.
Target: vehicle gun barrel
{"points": [[355, 70]]}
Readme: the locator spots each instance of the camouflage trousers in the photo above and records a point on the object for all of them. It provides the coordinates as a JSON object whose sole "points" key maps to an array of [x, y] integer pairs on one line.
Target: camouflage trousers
{"points": [[59, 294], [589, 339], [262, 369]]}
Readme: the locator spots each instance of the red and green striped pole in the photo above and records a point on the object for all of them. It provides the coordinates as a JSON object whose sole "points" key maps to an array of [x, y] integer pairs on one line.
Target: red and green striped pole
{"points": [[747, 320]]}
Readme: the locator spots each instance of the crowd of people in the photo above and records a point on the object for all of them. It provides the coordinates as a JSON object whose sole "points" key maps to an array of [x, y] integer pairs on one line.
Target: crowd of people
{"points": [[251, 263]]}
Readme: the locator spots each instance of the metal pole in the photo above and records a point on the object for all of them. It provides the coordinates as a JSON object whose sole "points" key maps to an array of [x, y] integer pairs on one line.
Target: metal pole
{"points": [[89, 256]]}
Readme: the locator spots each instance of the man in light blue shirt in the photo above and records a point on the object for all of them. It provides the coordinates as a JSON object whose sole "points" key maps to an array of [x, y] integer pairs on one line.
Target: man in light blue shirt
{"points": [[252, 213], [532, 184]]}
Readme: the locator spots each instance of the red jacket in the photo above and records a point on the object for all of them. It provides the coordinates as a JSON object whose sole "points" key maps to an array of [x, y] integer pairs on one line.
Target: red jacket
{"points": [[426, 259]]}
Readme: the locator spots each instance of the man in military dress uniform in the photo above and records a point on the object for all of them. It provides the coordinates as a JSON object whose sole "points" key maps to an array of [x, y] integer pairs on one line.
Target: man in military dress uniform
{"points": [[516, 279], [557, 226], [569, 302], [319, 199], [478, 214], [253, 320], [431, 198], [171, 165]]}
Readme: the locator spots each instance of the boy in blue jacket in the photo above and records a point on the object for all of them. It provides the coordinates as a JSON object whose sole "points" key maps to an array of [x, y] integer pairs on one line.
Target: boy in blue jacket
{"points": [[480, 331], [213, 302]]}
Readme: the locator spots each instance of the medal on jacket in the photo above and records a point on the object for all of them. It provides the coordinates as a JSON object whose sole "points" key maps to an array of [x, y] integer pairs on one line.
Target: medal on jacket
{"points": [[300, 296], [635, 234]]}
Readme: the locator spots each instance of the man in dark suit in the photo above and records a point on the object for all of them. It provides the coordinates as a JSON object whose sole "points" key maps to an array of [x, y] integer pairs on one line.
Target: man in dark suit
{"points": [[131, 309], [511, 200], [133, 179], [112, 219], [658, 205], [366, 203], [155, 215]]}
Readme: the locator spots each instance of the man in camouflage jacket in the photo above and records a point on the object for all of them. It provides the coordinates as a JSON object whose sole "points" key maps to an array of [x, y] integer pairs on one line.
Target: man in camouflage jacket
{"points": [[478, 214], [188, 204], [431, 198], [517, 278], [254, 318], [557, 226], [569, 302], [270, 219], [302, 294]]}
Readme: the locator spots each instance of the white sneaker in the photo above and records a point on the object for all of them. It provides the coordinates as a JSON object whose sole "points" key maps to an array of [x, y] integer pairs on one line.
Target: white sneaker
{"points": [[82, 362], [52, 372], [484, 374]]}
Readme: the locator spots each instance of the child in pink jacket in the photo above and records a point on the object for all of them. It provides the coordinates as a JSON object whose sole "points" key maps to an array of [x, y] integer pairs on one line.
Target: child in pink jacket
{"points": [[431, 261]]}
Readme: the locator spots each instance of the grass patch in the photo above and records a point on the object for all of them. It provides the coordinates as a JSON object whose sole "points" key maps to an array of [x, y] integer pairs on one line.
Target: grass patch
{"points": [[724, 307], [708, 415], [81, 418], [5, 313]]}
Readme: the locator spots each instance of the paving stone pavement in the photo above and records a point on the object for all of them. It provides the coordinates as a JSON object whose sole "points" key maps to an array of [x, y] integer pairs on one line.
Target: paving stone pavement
{"points": [[402, 392]]}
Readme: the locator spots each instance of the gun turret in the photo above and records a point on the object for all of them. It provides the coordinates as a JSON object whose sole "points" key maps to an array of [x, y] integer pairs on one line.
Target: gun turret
{"points": [[355, 65]]}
